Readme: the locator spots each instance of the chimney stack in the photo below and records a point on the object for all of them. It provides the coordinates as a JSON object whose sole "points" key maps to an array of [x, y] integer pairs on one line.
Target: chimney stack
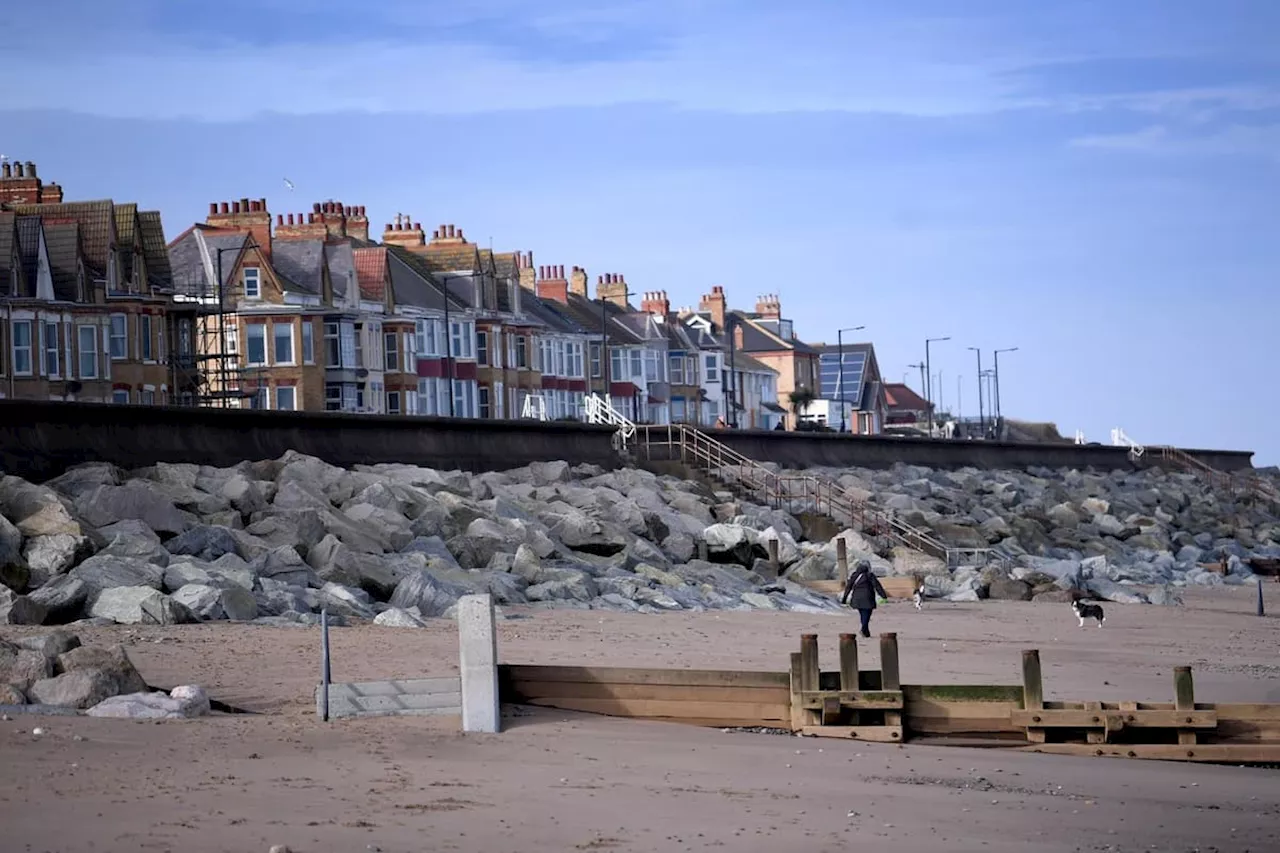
{"points": [[19, 184], [714, 303], [578, 281], [613, 289], [769, 307], [406, 233], [244, 215], [656, 303], [552, 284]]}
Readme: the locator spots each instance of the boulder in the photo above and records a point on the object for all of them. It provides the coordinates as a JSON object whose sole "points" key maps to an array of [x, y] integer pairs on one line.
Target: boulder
{"points": [[113, 661], [53, 555], [1004, 588], [183, 702], [430, 595], [11, 695], [732, 543], [63, 599], [23, 667], [204, 602], [35, 510], [205, 542], [238, 604], [14, 572], [50, 645], [145, 548], [397, 618], [79, 689], [106, 572], [20, 609], [138, 499], [139, 605], [286, 565]]}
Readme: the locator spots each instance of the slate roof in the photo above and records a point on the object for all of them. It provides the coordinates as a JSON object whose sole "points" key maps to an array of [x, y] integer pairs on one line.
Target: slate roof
{"points": [[413, 284], [62, 239], [125, 217], [299, 265], [342, 268], [29, 229], [451, 257], [97, 226], [8, 233], [552, 314], [187, 263], [371, 271], [507, 275], [759, 338], [743, 361], [586, 312], [153, 249]]}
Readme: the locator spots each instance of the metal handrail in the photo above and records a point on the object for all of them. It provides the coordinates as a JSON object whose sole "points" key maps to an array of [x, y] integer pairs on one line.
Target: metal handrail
{"points": [[1249, 483], [825, 496]]}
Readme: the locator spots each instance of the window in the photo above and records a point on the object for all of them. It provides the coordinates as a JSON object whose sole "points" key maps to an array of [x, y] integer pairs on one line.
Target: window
{"points": [[22, 364], [282, 335], [560, 361], [522, 351], [617, 365], [357, 340], [393, 402], [464, 398], [461, 340], [391, 352], [712, 372], [120, 396], [256, 343], [51, 349], [160, 345], [148, 397], [332, 350], [677, 376], [485, 407], [350, 400], [252, 283], [184, 339], [259, 399], [652, 366], [286, 398], [233, 340], [595, 361], [348, 340], [88, 339], [637, 364], [427, 338], [308, 342], [428, 401], [359, 403], [482, 348], [144, 337], [691, 370], [333, 397], [119, 338]]}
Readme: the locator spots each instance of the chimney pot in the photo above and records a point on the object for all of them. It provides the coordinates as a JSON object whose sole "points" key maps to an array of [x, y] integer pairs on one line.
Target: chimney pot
{"points": [[17, 170], [213, 205], [417, 226], [599, 280], [4, 170], [279, 219], [388, 228], [315, 207], [443, 230], [450, 230], [224, 207], [244, 205], [262, 204], [435, 234], [291, 218], [235, 207], [362, 210], [31, 169], [311, 219], [253, 206]]}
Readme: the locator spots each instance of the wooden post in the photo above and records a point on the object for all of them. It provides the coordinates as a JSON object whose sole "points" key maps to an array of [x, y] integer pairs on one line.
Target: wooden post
{"points": [[849, 662], [842, 559], [774, 566], [809, 661], [702, 550], [1032, 691], [799, 719], [325, 677], [1184, 698], [1262, 611], [889, 677]]}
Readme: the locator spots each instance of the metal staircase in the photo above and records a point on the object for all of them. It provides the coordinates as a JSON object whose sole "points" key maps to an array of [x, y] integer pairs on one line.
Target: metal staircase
{"points": [[1249, 484], [600, 410], [794, 491]]}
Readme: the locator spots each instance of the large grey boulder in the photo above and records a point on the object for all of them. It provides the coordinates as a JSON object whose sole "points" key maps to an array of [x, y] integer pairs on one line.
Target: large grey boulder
{"points": [[397, 618], [112, 660], [54, 554], [101, 572], [19, 609], [137, 499], [1004, 588], [145, 548], [23, 667], [35, 510], [63, 599], [80, 689], [286, 565], [204, 602], [139, 605], [14, 572], [50, 645], [181, 703], [204, 542], [430, 595]]}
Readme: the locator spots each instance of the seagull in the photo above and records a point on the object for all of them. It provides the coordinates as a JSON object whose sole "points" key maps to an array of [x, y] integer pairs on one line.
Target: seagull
{"points": [[288, 183]]}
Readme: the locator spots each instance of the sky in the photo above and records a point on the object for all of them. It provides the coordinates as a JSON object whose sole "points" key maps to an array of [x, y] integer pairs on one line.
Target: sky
{"points": [[1094, 182]]}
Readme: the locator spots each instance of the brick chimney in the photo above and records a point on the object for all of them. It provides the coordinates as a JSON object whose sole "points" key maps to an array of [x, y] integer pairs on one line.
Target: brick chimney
{"points": [[768, 307], [528, 275], [244, 215], [714, 303], [552, 284], [357, 222], [655, 302], [404, 232], [612, 287], [299, 226], [19, 184], [333, 216], [447, 236], [578, 281]]}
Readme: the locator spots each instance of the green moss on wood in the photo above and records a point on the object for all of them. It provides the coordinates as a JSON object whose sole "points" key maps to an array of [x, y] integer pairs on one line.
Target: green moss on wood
{"points": [[969, 693]]}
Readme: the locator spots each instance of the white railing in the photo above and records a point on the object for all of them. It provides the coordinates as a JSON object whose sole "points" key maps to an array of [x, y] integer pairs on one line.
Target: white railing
{"points": [[1119, 439], [600, 410], [535, 407], [1080, 437]]}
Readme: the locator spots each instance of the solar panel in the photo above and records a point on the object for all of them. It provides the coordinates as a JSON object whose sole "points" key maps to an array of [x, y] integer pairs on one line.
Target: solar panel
{"points": [[829, 375]]}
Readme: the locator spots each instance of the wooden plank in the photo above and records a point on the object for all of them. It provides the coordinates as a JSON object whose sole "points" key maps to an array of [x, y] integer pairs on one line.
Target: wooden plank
{"points": [[842, 563], [890, 678], [964, 693], [878, 734], [809, 667], [848, 661], [665, 692], [1032, 691], [759, 713], [1184, 698], [641, 675], [1114, 724], [868, 701], [797, 716], [1225, 753], [1081, 719]]}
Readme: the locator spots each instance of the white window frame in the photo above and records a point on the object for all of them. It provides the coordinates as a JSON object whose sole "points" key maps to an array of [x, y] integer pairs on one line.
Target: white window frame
{"points": [[391, 351], [484, 402], [393, 403], [147, 396], [275, 353], [115, 396], [333, 397], [120, 337], [248, 345], [146, 339], [256, 292], [49, 350], [308, 341], [293, 398], [87, 352], [711, 365], [482, 349], [29, 349], [333, 332]]}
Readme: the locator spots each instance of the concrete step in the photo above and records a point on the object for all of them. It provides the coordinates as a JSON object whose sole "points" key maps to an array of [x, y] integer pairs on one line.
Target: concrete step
{"points": [[407, 697]]}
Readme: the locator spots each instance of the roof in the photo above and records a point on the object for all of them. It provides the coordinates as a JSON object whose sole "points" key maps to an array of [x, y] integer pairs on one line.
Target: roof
{"points": [[901, 397], [342, 267], [190, 267], [413, 284], [747, 364], [587, 313], [8, 233], [834, 350], [153, 249], [299, 264], [552, 313], [453, 257], [29, 228], [97, 225], [371, 271], [125, 216], [507, 273], [62, 239], [757, 337]]}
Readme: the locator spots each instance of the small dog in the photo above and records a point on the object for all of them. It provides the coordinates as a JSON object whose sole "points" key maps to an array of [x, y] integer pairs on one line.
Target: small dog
{"points": [[918, 597], [1087, 610]]}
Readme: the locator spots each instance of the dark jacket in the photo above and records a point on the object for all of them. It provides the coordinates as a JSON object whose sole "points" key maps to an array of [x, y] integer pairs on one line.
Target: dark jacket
{"points": [[861, 589]]}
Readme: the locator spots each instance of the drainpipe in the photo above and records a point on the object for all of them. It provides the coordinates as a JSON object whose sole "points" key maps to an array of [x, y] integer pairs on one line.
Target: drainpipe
{"points": [[12, 379]]}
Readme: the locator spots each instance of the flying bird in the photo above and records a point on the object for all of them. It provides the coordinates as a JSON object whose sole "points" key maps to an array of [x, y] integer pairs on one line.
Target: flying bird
{"points": [[288, 183]]}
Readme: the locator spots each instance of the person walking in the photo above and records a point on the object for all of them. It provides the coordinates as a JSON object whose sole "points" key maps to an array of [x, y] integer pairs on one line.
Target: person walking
{"points": [[860, 592]]}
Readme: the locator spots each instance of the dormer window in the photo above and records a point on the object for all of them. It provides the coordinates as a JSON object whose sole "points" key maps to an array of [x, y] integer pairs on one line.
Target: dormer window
{"points": [[252, 283]]}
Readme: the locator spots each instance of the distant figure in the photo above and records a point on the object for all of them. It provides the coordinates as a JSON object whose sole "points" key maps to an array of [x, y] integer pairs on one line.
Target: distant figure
{"points": [[720, 424], [860, 593], [781, 427]]}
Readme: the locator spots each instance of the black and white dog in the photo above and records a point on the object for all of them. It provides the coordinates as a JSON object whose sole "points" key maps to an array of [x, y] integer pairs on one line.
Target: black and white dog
{"points": [[918, 597], [1088, 610]]}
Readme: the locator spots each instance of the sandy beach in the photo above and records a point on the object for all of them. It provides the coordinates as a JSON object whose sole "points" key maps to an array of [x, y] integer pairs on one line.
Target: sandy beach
{"points": [[563, 781]]}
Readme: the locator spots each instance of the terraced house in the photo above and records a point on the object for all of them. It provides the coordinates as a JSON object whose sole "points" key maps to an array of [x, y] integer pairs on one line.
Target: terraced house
{"points": [[560, 350], [86, 300]]}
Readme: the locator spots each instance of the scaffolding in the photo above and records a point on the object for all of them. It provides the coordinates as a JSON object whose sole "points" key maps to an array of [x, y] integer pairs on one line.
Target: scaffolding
{"points": [[219, 380]]}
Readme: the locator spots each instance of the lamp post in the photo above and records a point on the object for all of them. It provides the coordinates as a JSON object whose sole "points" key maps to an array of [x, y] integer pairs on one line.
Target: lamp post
{"points": [[982, 421], [840, 354], [448, 335], [999, 411], [929, 379]]}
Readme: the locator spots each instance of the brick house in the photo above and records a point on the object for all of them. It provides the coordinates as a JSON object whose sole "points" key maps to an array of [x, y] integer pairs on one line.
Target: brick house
{"points": [[86, 300], [684, 358], [560, 349], [906, 408], [862, 395]]}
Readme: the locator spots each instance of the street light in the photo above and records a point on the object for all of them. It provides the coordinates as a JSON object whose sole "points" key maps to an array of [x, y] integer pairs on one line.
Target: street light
{"points": [[448, 333], [840, 381], [929, 380], [982, 421], [999, 411]]}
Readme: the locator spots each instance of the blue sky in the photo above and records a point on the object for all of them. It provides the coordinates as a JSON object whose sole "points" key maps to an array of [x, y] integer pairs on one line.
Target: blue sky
{"points": [[1096, 183]]}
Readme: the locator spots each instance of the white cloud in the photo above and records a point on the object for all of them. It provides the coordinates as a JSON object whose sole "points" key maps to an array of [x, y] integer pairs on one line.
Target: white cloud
{"points": [[1231, 141]]}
